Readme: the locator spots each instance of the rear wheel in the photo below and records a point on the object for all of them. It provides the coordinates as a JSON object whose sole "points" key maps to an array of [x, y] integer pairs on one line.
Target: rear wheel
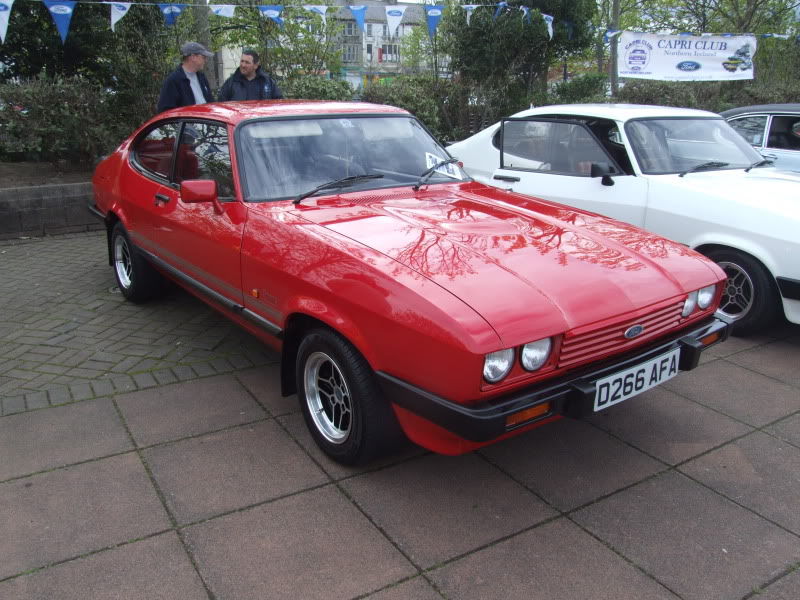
{"points": [[750, 296], [340, 400], [137, 279]]}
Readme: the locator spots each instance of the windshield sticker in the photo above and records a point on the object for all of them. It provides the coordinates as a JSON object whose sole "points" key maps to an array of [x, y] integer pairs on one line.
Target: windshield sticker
{"points": [[450, 170], [345, 123]]}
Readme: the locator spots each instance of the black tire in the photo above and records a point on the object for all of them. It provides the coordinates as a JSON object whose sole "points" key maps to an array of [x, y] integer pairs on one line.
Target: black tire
{"points": [[341, 401], [137, 279], [751, 296]]}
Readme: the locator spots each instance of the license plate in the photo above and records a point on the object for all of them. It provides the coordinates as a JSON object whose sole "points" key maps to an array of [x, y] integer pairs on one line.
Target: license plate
{"points": [[626, 384]]}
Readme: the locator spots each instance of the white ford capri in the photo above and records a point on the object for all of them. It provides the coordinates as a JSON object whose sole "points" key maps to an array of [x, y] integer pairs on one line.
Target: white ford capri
{"points": [[683, 174]]}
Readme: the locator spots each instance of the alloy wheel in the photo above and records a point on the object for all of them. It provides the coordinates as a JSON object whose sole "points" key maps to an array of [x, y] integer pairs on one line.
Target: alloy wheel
{"points": [[328, 397]]}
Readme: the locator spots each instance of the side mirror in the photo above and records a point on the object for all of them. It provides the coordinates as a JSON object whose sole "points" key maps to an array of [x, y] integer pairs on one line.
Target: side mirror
{"points": [[603, 170], [199, 191]]}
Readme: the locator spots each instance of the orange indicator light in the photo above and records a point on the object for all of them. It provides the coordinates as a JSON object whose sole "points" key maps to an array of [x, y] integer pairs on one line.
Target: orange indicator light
{"points": [[710, 339], [528, 414], [254, 293]]}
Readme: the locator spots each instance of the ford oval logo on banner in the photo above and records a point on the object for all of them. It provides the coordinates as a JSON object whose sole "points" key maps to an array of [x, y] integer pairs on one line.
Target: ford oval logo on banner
{"points": [[634, 331], [394, 13], [171, 9], [688, 65], [434, 12], [272, 13], [60, 9], [121, 7], [4, 7]]}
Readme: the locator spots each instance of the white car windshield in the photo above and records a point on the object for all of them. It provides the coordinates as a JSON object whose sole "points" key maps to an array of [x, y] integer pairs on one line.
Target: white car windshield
{"points": [[677, 145], [283, 158]]}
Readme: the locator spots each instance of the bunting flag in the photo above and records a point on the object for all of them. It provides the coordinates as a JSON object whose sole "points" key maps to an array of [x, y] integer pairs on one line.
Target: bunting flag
{"points": [[272, 12], [359, 12], [223, 10], [320, 9], [394, 14], [118, 10], [5, 12], [500, 7], [469, 8], [526, 14], [171, 12], [611, 34], [61, 11], [548, 20], [434, 15]]}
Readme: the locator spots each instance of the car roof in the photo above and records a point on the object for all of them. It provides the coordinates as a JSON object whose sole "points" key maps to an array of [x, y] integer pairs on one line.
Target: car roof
{"points": [[617, 112], [236, 112], [761, 108]]}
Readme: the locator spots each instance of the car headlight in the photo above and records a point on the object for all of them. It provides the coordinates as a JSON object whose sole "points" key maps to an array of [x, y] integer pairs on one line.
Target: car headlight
{"points": [[705, 296], [496, 365], [690, 304], [535, 354]]}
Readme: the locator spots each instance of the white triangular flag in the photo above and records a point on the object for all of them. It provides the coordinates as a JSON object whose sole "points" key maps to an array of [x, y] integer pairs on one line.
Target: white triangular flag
{"points": [[223, 10], [320, 9], [118, 10], [394, 14]]}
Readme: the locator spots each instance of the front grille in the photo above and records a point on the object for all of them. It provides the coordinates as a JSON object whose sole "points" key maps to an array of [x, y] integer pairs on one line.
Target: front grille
{"points": [[589, 346]]}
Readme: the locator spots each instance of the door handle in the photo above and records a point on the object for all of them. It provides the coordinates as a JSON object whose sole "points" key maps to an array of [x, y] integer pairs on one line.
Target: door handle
{"points": [[505, 178], [161, 198], [769, 156]]}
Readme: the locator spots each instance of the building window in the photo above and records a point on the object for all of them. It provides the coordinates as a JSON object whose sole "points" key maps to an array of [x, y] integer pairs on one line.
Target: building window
{"points": [[390, 52], [369, 52], [350, 53], [369, 29], [350, 28], [385, 30]]}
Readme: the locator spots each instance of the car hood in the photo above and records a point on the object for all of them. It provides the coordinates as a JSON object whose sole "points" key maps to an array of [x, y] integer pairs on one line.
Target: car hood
{"points": [[531, 268], [765, 189]]}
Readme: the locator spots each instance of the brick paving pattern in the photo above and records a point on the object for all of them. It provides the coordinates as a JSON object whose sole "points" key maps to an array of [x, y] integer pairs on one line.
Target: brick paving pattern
{"points": [[67, 334], [135, 473]]}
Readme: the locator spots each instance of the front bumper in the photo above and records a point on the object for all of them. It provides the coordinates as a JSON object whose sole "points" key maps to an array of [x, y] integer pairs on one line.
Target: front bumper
{"points": [[571, 395]]}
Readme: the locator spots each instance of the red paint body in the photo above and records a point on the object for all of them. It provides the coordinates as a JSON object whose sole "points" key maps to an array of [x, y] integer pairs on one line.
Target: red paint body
{"points": [[423, 283]]}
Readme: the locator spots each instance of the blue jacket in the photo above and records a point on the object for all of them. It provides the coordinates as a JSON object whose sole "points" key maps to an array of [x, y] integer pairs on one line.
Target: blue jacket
{"points": [[236, 87], [177, 91]]}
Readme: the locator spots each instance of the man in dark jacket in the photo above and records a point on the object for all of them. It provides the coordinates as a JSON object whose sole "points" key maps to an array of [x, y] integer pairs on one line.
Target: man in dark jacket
{"points": [[187, 85], [249, 82]]}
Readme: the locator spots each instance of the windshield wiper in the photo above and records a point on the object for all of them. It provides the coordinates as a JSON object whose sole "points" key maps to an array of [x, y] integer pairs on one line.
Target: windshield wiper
{"points": [[758, 163], [339, 183], [428, 172], [712, 164]]}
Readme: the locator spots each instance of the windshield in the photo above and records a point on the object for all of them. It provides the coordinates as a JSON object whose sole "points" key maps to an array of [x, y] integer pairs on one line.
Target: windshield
{"points": [[282, 159], [676, 145]]}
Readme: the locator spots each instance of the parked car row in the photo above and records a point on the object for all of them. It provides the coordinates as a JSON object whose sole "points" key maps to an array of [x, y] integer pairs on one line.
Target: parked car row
{"points": [[406, 297]]}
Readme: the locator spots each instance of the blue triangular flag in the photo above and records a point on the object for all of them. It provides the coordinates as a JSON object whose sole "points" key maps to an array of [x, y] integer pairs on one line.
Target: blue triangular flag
{"points": [[359, 12], [500, 7], [434, 15], [61, 11], [273, 12], [171, 12]]}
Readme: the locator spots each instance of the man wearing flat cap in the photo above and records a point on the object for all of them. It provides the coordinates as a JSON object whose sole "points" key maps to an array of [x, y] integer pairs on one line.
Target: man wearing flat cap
{"points": [[187, 85]]}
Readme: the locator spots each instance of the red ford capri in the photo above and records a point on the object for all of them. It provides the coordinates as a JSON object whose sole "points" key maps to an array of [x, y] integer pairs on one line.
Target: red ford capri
{"points": [[403, 297]]}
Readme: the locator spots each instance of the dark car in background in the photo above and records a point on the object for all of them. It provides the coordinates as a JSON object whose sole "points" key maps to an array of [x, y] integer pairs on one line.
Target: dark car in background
{"points": [[772, 129]]}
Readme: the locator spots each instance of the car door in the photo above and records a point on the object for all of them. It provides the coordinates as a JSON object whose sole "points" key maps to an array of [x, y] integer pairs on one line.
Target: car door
{"points": [[202, 241], [783, 142], [553, 158]]}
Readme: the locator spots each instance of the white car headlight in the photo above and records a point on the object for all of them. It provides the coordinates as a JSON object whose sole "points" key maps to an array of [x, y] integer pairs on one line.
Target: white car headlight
{"points": [[535, 354], [705, 296], [690, 304], [496, 365]]}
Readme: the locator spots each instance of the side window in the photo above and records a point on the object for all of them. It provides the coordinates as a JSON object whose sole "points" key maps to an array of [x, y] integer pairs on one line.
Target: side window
{"points": [[751, 128], [203, 153], [565, 148], [784, 133], [154, 152]]}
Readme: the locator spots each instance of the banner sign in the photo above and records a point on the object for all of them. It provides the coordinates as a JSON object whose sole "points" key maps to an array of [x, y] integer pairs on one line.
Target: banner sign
{"points": [[359, 12], [685, 57], [61, 11], [5, 12], [118, 10], [272, 12], [171, 12], [223, 10], [394, 14], [434, 15], [320, 9]]}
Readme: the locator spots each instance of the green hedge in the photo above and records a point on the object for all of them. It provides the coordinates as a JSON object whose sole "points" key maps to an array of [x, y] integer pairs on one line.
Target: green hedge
{"points": [[317, 88]]}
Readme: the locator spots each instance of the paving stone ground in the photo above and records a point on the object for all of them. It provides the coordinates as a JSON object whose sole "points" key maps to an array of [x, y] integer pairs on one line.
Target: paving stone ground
{"points": [[145, 452]]}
